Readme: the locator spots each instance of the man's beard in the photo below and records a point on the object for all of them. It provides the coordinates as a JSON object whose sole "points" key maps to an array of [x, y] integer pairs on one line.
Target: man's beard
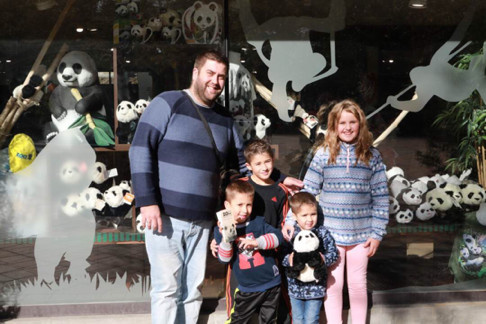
{"points": [[200, 88]]}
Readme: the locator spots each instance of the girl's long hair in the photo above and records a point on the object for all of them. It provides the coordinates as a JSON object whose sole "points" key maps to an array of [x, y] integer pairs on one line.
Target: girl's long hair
{"points": [[364, 139]]}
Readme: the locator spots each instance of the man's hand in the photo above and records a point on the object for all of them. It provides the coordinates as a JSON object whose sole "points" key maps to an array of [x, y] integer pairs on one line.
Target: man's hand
{"points": [[293, 184], [151, 217], [288, 232], [373, 246], [214, 248], [248, 244]]}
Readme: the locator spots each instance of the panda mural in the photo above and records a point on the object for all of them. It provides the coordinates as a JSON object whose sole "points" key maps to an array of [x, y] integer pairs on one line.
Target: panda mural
{"points": [[77, 71], [46, 203]]}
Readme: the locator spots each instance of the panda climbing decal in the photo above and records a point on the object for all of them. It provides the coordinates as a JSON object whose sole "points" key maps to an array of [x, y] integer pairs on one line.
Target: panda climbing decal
{"points": [[292, 58]]}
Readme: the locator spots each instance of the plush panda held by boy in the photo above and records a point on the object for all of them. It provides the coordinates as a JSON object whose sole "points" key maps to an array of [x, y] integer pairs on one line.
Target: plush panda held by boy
{"points": [[307, 263]]}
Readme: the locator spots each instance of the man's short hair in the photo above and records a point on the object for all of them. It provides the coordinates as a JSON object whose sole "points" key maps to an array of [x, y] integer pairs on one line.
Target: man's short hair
{"points": [[255, 147], [301, 198], [239, 186], [213, 55]]}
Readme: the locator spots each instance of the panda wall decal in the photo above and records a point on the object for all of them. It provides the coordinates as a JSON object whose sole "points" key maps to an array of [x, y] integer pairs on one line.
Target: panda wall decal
{"points": [[202, 23], [54, 213], [302, 65]]}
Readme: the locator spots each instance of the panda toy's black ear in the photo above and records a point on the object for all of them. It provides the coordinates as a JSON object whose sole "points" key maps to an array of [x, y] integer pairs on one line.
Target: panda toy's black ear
{"points": [[431, 185]]}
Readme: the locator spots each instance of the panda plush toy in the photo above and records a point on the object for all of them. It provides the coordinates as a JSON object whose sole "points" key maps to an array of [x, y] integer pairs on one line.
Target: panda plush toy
{"points": [[473, 195], [76, 70], [308, 265], [127, 117]]}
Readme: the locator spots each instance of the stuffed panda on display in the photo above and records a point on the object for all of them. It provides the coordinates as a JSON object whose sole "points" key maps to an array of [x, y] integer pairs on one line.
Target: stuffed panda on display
{"points": [[472, 196], [116, 207], [127, 118], [404, 216], [260, 124], [141, 105], [308, 265], [425, 211], [76, 70], [394, 206], [439, 200]]}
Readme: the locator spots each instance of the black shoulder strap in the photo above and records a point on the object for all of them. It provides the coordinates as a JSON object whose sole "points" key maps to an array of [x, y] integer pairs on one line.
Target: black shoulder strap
{"points": [[208, 129]]}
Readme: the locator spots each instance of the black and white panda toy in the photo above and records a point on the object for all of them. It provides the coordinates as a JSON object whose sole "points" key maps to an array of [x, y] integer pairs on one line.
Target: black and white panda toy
{"points": [[472, 196], [404, 215], [114, 198], [76, 70], [127, 118], [439, 200], [260, 125], [425, 211], [308, 265]]}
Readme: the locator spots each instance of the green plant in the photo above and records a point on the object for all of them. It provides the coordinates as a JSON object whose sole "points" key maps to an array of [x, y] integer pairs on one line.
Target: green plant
{"points": [[466, 120]]}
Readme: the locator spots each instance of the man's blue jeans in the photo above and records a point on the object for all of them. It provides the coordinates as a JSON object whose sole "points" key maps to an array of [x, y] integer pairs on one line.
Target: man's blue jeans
{"points": [[306, 311], [177, 266]]}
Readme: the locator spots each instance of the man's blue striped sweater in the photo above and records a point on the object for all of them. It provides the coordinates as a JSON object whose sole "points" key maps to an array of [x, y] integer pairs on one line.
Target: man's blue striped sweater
{"points": [[172, 160], [353, 197]]}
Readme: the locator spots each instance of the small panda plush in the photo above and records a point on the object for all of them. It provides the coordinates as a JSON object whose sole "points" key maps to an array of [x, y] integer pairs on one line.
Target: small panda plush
{"points": [[472, 196], [260, 124], [170, 18], [439, 200], [99, 173], [141, 105], [114, 196], [420, 186], [127, 118], [393, 172], [404, 216], [308, 265], [140, 226], [425, 211], [126, 185], [454, 191], [394, 206], [409, 197], [116, 205]]}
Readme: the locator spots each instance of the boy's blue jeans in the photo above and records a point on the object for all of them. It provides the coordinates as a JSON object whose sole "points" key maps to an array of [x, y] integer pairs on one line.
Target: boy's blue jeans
{"points": [[177, 266], [305, 311]]}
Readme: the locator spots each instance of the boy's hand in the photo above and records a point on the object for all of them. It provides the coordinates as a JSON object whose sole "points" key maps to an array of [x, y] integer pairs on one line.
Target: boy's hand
{"points": [[288, 232], [214, 248], [248, 244]]}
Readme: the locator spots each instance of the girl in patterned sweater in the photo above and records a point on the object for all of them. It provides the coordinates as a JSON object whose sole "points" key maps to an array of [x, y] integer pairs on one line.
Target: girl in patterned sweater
{"points": [[348, 174]]}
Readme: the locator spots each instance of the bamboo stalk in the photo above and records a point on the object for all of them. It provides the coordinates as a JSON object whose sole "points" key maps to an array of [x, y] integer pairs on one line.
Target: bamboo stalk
{"points": [[16, 111], [9, 106], [49, 40], [390, 128]]}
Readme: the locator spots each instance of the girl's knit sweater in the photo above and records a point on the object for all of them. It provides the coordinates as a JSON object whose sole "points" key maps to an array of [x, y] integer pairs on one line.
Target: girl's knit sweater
{"points": [[353, 196]]}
